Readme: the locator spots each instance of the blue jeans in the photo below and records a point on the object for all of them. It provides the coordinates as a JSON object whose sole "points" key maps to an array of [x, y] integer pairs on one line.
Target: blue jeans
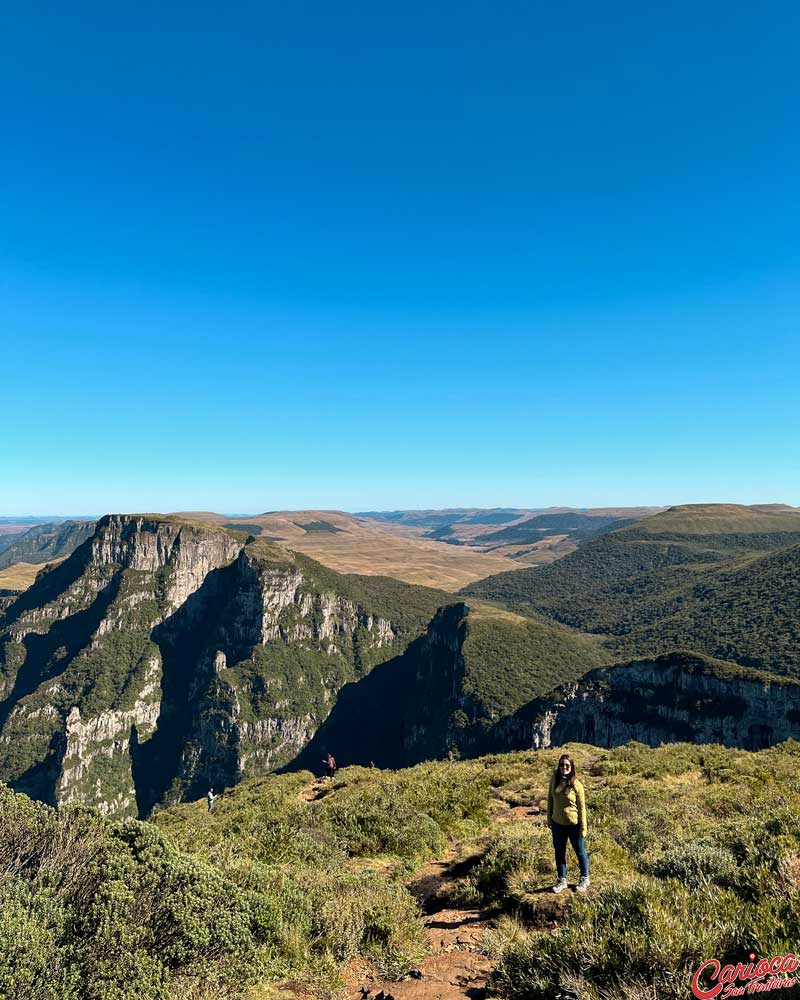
{"points": [[562, 834]]}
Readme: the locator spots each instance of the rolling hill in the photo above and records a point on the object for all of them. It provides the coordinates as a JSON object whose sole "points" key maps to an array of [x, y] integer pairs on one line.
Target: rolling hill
{"points": [[20, 576], [719, 579], [529, 537]]}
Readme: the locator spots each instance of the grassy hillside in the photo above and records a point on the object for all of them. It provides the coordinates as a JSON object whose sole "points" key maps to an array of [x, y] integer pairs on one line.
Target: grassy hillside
{"points": [[673, 581], [510, 659], [695, 852], [357, 545]]}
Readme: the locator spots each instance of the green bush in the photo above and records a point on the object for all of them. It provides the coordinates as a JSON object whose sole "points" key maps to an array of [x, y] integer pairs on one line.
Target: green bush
{"points": [[698, 864], [113, 906]]}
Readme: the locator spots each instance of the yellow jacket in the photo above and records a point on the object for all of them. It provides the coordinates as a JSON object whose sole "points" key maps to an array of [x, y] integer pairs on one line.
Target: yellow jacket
{"points": [[566, 806]]}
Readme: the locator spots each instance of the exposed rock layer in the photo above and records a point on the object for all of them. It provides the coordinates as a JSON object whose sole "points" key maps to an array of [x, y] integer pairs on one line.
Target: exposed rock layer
{"points": [[165, 656]]}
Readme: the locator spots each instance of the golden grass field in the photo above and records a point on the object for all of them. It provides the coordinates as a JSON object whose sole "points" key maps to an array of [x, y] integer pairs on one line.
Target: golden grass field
{"points": [[21, 575], [360, 546], [725, 518]]}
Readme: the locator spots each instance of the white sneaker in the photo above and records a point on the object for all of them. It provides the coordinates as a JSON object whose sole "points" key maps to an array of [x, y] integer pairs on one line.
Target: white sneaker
{"points": [[560, 886], [584, 884]]}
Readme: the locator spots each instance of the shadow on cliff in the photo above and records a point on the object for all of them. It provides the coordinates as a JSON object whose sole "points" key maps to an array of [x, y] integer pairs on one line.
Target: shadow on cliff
{"points": [[369, 722], [39, 781], [185, 641], [51, 583], [402, 712], [48, 654]]}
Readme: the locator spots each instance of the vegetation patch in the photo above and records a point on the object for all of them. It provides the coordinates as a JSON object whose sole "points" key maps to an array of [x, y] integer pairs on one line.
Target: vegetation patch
{"points": [[318, 527], [694, 851], [732, 595]]}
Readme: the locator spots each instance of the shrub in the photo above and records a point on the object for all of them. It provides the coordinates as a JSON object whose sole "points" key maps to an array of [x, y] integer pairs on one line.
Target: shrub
{"points": [[697, 864], [650, 931]]}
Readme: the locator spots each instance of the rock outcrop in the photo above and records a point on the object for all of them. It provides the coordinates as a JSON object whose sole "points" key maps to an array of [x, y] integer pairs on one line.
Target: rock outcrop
{"points": [[672, 698], [164, 656]]}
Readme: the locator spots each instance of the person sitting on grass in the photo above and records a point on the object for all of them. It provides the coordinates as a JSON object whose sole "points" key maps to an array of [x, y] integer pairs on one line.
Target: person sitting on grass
{"points": [[566, 817]]}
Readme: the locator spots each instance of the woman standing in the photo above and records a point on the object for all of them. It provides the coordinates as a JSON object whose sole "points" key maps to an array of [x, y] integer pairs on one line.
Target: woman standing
{"points": [[566, 816]]}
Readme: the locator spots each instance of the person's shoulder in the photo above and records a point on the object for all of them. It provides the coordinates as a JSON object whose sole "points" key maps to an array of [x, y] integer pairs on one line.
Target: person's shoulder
{"points": [[578, 785]]}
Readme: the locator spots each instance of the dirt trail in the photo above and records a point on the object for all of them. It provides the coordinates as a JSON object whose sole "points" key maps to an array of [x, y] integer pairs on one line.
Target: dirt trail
{"points": [[456, 969], [313, 790]]}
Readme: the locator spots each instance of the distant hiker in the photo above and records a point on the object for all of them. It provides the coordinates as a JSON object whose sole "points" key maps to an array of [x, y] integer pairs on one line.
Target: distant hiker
{"points": [[330, 765], [212, 798], [566, 817]]}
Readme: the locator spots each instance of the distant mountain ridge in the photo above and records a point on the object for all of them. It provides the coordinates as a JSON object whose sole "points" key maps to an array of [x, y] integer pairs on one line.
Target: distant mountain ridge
{"points": [[45, 542], [580, 528], [527, 536]]}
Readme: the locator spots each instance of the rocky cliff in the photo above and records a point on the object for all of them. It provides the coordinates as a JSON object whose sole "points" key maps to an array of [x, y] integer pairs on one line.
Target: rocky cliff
{"points": [[164, 656], [448, 692], [677, 697]]}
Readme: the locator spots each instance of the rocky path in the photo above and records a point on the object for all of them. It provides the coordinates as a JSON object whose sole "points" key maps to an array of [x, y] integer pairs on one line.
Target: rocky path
{"points": [[313, 790], [456, 968]]}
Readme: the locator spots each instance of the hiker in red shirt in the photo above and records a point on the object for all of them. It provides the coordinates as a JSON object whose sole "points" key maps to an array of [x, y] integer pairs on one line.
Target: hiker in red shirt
{"points": [[330, 765]]}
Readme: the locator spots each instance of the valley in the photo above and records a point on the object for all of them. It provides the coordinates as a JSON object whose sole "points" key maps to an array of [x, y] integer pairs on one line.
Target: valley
{"points": [[168, 653]]}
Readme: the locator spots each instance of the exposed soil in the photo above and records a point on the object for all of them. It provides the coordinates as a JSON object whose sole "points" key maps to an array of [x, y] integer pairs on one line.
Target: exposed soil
{"points": [[456, 968], [313, 791]]}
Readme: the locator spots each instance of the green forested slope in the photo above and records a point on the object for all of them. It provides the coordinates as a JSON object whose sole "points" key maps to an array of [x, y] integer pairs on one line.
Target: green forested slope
{"points": [[749, 613], [731, 593], [509, 659], [46, 541]]}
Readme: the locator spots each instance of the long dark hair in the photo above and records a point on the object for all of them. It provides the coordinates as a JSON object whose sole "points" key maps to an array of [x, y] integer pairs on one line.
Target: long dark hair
{"points": [[569, 781]]}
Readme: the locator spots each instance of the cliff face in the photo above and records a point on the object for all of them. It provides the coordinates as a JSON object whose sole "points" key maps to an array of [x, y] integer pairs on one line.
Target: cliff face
{"points": [[440, 710], [454, 688], [164, 656], [672, 698]]}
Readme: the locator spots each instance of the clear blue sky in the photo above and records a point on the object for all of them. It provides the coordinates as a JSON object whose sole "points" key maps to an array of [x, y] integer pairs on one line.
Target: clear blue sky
{"points": [[377, 255]]}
